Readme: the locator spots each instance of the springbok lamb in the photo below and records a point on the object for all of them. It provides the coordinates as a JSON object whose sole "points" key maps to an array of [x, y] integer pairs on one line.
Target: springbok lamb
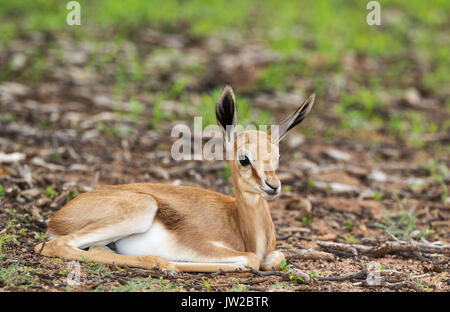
{"points": [[183, 228]]}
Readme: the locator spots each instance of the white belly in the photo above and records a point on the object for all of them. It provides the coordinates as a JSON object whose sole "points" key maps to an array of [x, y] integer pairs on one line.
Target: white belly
{"points": [[157, 241]]}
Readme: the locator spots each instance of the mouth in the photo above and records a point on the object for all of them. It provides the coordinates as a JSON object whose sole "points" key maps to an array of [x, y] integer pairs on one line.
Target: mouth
{"points": [[270, 192]]}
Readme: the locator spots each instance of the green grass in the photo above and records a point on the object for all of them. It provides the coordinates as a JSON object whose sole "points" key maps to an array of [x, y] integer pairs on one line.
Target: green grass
{"points": [[377, 196], [359, 107], [283, 285], [148, 284], [287, 189], [72, 194], [402, 224], [349, 239], [50, 192], [439, 172], [238, 287], [12, 231], [307, 219], [284, 266], [113, 130], [285, 22], [349, 225], [132, 110], [207, 286], [40, 236], [225, 173], [17, 277], [97, 271], [310, 37], [288, 26]]}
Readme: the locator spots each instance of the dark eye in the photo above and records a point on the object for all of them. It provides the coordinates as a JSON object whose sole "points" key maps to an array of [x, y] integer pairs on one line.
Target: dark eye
{"points": [[244, 160]]}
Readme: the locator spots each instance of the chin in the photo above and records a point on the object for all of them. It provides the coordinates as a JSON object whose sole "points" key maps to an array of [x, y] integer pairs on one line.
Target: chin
{"points": [[267, 196]]}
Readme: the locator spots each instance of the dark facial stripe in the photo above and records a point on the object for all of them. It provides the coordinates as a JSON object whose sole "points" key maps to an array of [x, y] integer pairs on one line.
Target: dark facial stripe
{"points": [[272, 178], [255, 175]]}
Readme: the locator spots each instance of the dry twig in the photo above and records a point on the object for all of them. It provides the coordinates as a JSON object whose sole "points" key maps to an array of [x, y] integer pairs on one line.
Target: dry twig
{"points": [[360, 275], [309, 254], [389, 246]]}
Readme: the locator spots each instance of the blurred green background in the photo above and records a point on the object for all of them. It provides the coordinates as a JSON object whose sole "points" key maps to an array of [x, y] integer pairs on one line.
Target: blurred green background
{"points": [[375, 82]]}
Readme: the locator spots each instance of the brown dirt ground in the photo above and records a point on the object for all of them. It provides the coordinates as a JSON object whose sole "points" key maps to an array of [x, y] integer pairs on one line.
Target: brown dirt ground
{"points": [[77, 157]]}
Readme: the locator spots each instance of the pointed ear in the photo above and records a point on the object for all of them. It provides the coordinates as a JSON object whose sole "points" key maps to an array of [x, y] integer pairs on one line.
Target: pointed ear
{"points": [[292, 120], [226, 112]]}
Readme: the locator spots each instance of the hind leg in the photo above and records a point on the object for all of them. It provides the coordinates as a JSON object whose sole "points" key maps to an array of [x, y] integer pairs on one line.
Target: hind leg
{"points": [[104, 231], [220, 258], [61, 248], [240, 260]]}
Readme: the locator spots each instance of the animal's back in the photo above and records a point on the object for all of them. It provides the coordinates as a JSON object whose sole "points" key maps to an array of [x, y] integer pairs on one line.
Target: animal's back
{"points": [[185, 210]]}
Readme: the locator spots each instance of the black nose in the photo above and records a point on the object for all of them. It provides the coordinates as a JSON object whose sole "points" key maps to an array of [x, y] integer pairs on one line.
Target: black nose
{"points": [[271, 186]]}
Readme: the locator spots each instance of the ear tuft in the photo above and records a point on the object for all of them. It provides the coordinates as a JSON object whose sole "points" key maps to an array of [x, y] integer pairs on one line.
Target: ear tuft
{"points": [[226, 112], [302, 111], [292, 120]]}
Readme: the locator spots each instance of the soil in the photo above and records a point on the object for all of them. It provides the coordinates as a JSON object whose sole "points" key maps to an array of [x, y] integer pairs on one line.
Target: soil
{"points": [[66, 152]]}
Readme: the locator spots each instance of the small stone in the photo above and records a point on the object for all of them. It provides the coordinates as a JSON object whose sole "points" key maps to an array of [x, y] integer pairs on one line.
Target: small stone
{"points": [[327, 237], [337, 188], [36, 215], [338, 155], [18, 61], [12, 157], [306, 165], [366, 194], [103, 101], [295, 141], [378, 176], [159, 173], [302, 205], [78, 167], [14, 88], [31, 193], [412, 96], [43, 201], [447, 202]]}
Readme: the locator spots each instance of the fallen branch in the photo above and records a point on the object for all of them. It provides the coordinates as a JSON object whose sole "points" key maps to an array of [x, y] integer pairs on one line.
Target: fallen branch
{"points": [[309, 254], [348, 248], [338, 253], [42, 163], [389, 246], [435, 259], [360, 275], [424, 247], [13, 157], [289, 275], [220, 272], [396, 286]]}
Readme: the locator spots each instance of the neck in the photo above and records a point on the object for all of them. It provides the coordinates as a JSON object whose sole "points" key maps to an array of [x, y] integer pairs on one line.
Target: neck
{"points": [[253, 218], [249, 203]]}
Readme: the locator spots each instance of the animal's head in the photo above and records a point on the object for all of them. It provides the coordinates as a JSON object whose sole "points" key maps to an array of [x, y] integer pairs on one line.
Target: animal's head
{"points": [[254, 154]]}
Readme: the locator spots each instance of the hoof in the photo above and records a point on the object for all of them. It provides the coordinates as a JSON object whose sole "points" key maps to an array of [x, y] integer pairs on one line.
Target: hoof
{"points": [[37, 248], [166, 267], [272, 261], [171, 272]]}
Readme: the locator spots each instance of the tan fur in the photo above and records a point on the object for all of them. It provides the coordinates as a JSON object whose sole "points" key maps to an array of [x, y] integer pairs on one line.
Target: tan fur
{"points": [[221, 231]]}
